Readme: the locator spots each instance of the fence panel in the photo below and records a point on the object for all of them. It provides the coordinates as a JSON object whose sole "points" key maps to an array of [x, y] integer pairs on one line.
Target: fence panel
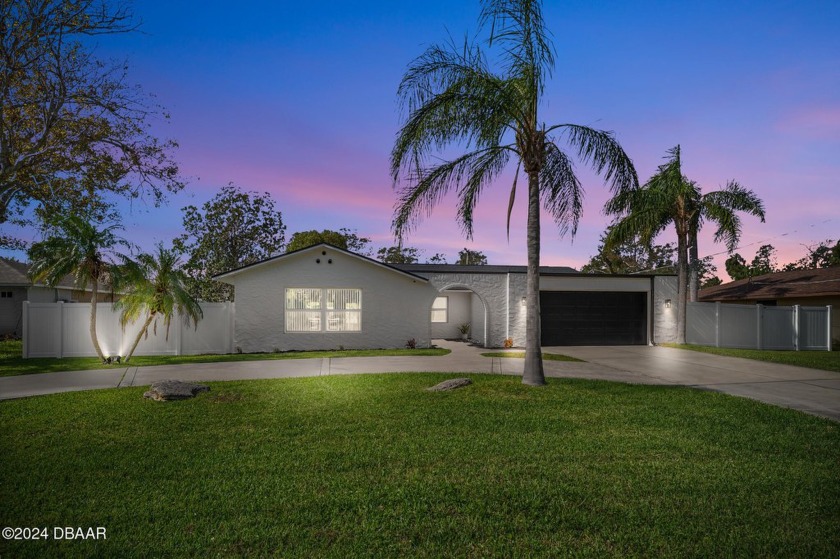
{"points": [[701, 324], [738, 326], [758, 327], [778, 328], [813, 327], [63, 330]]}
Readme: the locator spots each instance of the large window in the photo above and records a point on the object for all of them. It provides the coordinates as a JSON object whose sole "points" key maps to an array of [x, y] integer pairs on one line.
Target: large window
{"points": [[440, 309], [323, 310]]}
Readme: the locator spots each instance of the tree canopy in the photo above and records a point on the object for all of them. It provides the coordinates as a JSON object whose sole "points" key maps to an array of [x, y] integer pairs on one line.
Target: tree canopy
{"points": [[343, 238], [398, 255], [233, 229], [72, 127], [469, 257]]}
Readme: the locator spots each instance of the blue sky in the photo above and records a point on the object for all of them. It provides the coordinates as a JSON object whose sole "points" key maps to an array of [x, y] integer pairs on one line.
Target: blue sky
{"points": [[299, 99]]}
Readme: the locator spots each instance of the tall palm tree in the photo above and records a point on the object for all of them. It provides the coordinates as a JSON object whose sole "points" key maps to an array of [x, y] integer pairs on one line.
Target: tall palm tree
{"points": [[453, 97], [76, 247], [668, 197], [156, 288]]}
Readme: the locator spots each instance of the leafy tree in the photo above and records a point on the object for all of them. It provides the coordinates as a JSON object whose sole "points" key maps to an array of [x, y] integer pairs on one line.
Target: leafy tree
{"points": [[630, 257], [669, 198], [155, 287], [469, 257], [343, 238], [438, 258], [764, 262], [823, 255], [233, 229], [76, 247], [398, 255], [706, 273], [737, 267], [454, 97], [72, 127]]}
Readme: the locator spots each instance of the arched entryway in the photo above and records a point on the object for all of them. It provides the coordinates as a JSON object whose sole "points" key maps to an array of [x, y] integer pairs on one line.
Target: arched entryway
{"points": [[455, 306]]}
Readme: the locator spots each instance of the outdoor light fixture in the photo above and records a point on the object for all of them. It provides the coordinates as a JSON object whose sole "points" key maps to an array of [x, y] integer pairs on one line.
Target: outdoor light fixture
{"points": [[524, 301], [667, 303]]}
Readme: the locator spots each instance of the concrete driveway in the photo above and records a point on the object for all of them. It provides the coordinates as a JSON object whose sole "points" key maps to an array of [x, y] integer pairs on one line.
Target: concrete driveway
{"points": [[809, 390]]}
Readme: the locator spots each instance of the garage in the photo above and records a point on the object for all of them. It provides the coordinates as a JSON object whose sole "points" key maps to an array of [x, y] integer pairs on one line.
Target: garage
{"points": [[593, 318]]}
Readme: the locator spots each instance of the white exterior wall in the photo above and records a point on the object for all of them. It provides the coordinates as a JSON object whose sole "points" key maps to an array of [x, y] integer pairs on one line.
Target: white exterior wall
{"points": [[664, 320], [395, 307], [476, 319], [489, 302]]}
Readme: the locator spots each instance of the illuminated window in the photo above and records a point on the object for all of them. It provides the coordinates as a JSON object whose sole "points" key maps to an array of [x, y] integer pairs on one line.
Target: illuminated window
{"points": [[440, 309], [323, 310]]}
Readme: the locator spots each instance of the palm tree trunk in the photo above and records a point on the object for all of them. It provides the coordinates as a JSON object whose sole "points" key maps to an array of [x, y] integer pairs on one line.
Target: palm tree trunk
{"points": [[693, 267], [93, 296], [533, 374], [682, 284], [140, 334]]}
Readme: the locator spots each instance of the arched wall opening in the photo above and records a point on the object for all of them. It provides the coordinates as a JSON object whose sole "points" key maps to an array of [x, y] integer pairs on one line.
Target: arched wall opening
{"points": [[455, 306]]}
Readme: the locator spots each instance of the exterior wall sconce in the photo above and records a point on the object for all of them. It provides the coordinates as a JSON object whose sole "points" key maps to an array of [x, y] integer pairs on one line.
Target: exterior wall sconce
{"points": [[524, 301], [667, 303]]}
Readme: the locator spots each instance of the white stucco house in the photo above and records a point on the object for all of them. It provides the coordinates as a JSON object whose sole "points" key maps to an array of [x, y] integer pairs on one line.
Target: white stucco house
{"points": [[324, 297]]}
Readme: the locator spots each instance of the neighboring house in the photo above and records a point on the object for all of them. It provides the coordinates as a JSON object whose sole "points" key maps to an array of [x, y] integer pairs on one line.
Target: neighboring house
{"points": [[817, 288], [16, 287], [324, 297]]}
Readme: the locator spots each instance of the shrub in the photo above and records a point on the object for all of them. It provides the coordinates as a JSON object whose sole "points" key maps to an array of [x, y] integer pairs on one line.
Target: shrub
{"points": [[508, 343], [411, 343]]}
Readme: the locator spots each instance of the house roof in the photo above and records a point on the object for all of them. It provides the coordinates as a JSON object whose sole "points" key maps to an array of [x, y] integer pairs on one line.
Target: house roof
{"points": [[16, 274], [481, 269], [313, 248], [820, 282]]}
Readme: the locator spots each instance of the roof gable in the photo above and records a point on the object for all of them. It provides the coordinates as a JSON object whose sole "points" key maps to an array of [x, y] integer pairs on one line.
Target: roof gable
{"points": [[314, 248]]}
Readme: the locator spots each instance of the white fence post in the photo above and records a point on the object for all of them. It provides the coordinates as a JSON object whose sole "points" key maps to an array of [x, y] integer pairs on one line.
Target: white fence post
{"points": [[759, 312], [60, 329], [24, 327], [828, 326], [796, 318], [717, 323]]}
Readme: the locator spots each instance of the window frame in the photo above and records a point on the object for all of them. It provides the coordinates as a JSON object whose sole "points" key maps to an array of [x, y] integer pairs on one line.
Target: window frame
{"points": [[323, 311], [445, 309]]}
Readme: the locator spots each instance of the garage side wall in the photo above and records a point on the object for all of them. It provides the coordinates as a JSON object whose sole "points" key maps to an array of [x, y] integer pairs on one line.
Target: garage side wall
{"points": [[664, 320], [395, 307]]}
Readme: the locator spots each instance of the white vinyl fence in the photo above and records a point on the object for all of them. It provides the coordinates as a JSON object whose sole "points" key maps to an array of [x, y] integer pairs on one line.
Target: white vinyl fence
{"points": [[63, 330], [759, 327]]}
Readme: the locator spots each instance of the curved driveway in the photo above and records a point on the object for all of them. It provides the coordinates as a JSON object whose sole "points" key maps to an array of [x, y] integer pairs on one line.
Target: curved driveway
{"points": [[812, 391]]}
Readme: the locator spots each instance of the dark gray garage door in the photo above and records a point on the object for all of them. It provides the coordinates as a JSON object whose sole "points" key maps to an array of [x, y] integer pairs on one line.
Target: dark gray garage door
{"points": [[593, 318]]}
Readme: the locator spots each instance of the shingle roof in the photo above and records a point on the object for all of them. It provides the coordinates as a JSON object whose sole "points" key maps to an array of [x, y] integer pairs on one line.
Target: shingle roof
{"points": [[821, 282], [480, 269], [16, 274]]}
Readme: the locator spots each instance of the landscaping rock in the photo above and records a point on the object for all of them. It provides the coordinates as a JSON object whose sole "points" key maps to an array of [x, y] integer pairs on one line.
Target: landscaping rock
{"points": [[450, 384], [164, 390]]}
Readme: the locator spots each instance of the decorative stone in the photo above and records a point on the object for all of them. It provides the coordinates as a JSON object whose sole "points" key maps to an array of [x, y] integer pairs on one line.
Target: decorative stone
{"points": [[164, 390], [450, 384]]}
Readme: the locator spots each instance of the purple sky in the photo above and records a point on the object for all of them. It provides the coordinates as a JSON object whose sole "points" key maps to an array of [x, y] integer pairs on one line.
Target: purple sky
{"points": [[299, 99]]}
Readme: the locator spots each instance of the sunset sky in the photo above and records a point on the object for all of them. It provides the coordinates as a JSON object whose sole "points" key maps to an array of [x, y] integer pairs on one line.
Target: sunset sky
{"points": [[299, 99]]}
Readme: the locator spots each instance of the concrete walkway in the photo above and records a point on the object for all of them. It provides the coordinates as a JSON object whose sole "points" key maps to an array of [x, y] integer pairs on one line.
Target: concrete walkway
{"points": [[809, 390]]}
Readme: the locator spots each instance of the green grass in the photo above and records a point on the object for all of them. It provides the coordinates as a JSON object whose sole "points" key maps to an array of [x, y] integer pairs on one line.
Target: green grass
{"points": [[521, 355], [375, 466], [11, 362], [826, 360]]}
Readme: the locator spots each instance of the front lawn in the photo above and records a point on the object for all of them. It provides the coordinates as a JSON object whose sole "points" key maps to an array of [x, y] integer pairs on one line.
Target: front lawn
{"points": [[521, 355], [375, 466], [826, 360], [11, 362]]}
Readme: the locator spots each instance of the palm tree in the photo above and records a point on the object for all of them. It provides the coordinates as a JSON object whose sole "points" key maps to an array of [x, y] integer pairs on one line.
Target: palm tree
{"points": [[453, 97], [77, 247], [155, 287], [670, 198]]}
